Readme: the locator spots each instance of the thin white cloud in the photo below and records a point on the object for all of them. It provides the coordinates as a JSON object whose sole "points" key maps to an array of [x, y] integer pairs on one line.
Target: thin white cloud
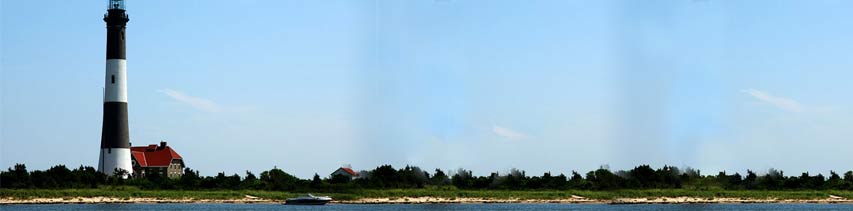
{"points": [[508, 133], [780, 102], [195, 102]]}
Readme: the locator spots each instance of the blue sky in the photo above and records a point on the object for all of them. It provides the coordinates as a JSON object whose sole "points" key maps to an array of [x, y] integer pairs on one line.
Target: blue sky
{"points": [[555, 86]]}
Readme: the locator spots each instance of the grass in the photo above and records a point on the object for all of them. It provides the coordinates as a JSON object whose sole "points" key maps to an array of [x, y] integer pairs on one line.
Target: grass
{"points": [[132, 192]]}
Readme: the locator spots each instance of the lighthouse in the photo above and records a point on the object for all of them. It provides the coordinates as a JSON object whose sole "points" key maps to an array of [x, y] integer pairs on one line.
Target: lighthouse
{"points": [[115, 136]]}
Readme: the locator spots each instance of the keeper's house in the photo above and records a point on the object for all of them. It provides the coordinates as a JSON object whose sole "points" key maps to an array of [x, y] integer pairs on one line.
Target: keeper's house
{"points": [[346, 172], [154, 159]]}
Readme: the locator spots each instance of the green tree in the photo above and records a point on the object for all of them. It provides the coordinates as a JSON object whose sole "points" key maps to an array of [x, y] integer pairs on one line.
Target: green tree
{"points": [[276, 179], [578, 182], [251, 181], [462, 179], [384, 176], [439, 178], [190, 180], [603, 179], [316, 181], [18, 177]]}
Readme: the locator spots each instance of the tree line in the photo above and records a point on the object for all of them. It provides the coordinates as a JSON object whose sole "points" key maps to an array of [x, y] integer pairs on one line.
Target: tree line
{"points": [[387, 177]]}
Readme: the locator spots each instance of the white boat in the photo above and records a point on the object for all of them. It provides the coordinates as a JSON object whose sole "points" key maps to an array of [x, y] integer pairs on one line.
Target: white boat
{"points": [[308, 200]]}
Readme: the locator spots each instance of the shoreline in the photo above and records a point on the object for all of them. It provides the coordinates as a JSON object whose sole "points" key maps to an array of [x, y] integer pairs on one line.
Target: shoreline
{"points": [[429, 200]]}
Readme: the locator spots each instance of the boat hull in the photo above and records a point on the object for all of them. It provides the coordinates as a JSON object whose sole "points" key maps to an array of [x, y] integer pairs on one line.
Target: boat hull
{"points": [[306, 202]]}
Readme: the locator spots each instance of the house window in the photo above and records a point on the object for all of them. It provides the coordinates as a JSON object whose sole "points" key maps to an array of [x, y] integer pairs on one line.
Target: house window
{"points": [[113, 79]]}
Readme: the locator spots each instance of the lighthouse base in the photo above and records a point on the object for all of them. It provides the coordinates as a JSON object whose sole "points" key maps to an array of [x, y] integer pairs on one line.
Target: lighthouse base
{"points": [[113, 159]]}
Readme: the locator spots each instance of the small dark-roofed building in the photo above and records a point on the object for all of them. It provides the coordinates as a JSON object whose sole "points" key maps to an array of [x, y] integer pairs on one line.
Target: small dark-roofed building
{"points": [[154, 159]]}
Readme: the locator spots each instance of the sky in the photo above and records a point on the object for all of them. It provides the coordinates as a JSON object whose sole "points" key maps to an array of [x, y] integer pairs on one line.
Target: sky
{"points": [[542, 86]]}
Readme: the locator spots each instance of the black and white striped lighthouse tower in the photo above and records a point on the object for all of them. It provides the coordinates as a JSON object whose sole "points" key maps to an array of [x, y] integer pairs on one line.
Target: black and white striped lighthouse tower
{"points": [[115, 136]]}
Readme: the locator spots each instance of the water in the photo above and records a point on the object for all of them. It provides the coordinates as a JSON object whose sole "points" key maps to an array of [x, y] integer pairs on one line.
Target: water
{"points": [[662, 207]]}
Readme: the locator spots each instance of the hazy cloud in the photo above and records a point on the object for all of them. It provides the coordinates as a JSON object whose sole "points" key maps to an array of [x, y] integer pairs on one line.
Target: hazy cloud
{"points": [[508, 133], [195, 102], [780, 102]]}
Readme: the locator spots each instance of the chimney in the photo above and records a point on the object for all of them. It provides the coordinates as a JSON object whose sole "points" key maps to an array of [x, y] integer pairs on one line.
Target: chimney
{"points": [[162, 144]]}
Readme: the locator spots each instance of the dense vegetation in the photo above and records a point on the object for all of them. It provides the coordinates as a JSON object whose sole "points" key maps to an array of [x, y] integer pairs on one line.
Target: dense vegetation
{"points": [[412, 178]]}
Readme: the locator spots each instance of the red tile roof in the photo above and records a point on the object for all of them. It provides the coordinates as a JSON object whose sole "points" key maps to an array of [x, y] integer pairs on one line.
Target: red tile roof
{"points": [[350, 171], [140, 158], [151, 155]]}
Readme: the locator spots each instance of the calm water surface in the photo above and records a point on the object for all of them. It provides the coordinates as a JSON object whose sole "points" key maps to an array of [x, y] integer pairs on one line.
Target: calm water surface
{"points": [[432, 207]]}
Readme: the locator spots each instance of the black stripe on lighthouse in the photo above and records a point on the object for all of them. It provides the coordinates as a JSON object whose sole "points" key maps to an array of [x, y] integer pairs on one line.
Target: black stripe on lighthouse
{"points": [[116, 23], [115, 132]]}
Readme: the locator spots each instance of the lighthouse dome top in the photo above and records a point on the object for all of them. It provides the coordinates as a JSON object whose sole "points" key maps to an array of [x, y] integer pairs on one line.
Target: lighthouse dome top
{"points": [[116, 4]]}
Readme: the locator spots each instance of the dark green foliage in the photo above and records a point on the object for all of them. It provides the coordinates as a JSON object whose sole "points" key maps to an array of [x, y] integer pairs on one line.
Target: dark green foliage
{"points": [[16, 178], [848, 176], [316, 182], [439, 178], [751, 180], [603, 179], [835, 182], [578, 182], [463, 179], [559, 182], [386, 176], [190, 180], [276, 179], [339, 179], [222, 182], [383, 176], [411, 177], [57, 177], [250, 182]]}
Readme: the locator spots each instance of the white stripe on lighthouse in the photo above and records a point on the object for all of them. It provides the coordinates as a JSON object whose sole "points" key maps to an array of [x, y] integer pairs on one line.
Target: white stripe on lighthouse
{"points": [[115, 158], [115, 88]]}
